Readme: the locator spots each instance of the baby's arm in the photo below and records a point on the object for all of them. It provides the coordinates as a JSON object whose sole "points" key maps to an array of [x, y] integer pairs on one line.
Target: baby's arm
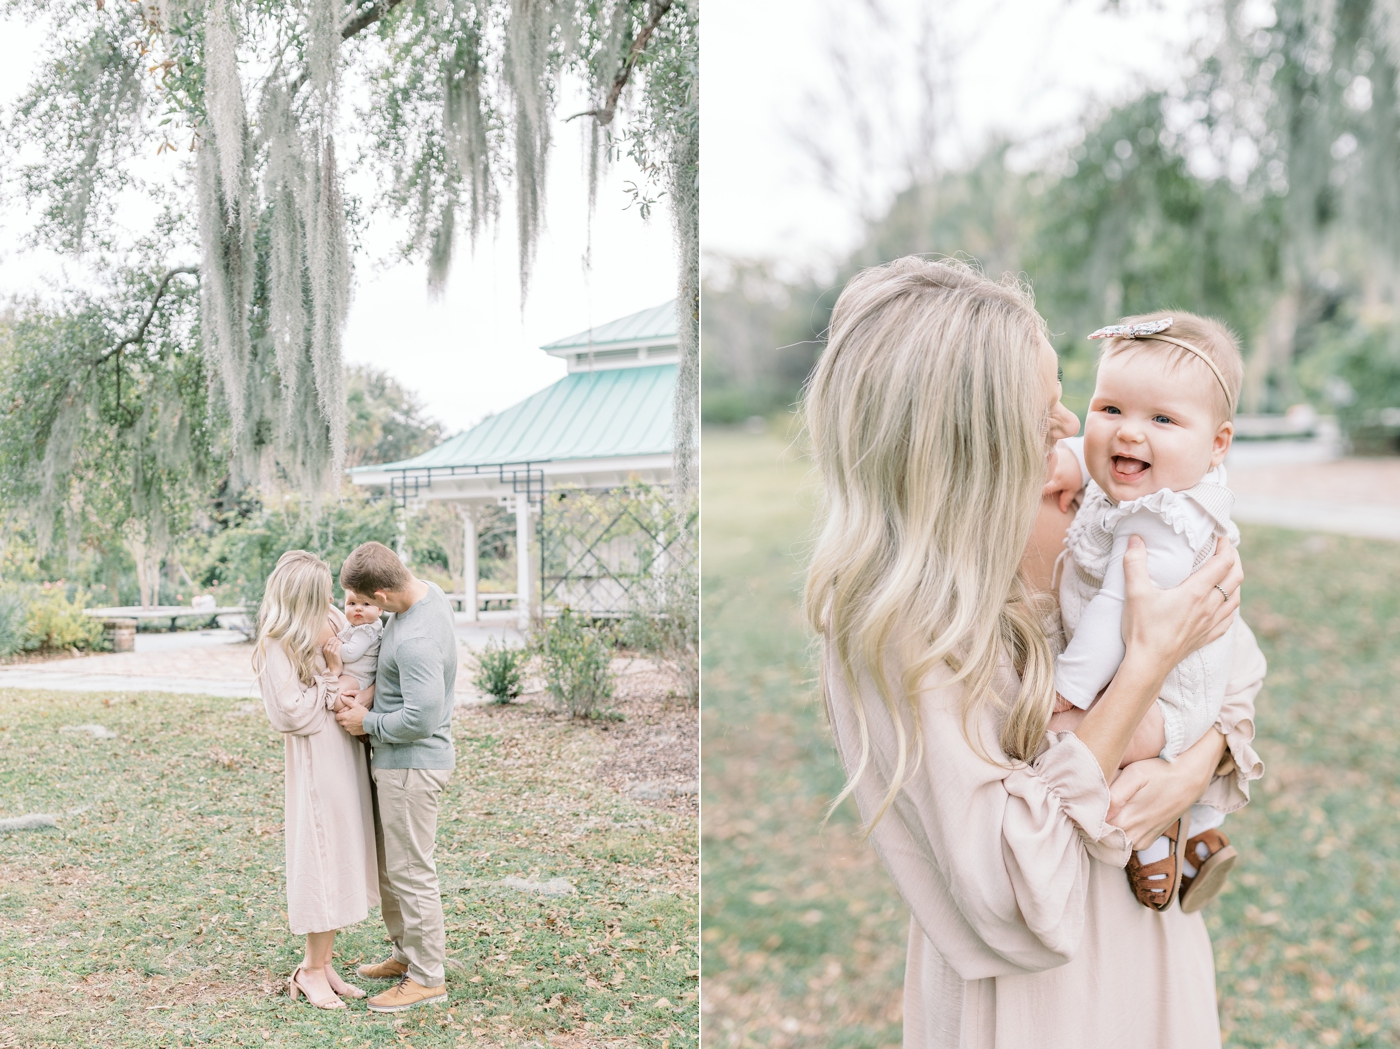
{"points": [[1068, 476], [1091, 659], [357, 642]]}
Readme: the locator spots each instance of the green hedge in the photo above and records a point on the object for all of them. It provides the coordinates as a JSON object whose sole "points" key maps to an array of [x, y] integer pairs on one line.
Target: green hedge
{"points": [[42, 617]]}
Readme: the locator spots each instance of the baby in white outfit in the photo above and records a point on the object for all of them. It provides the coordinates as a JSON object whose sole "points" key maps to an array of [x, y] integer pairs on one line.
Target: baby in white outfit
{"points": [[359, 648], [1156, 435]]}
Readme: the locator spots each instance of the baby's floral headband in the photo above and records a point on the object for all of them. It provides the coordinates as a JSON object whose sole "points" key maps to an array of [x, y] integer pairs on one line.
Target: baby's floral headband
{"points": [[1153, 330]]}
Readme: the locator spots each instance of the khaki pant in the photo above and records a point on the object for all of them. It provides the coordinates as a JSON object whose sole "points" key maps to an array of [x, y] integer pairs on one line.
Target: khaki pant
{"points": [[405, 826]]}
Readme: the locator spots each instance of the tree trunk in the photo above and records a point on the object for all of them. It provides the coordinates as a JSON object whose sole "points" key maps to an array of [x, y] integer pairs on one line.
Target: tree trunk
{"points": [[1272, 346], [148, 556]]}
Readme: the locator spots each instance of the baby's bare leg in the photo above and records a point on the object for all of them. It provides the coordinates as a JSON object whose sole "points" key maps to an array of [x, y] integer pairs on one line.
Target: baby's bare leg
{"points": [[1067, 720], [1147, 741], [349, 687], [1149, 738]]}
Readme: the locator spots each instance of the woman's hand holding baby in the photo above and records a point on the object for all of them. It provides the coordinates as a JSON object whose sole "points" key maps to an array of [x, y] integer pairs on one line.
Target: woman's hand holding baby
{"points": [[1165, 626], [1148, 796]]}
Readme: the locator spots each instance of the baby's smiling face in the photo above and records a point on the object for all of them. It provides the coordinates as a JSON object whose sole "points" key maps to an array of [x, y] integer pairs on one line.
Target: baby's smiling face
{"points": [[1153, 424], [360, 610]]}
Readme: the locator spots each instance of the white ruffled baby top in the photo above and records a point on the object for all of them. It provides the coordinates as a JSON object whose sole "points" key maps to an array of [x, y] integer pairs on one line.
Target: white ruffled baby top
{"points": [[1180, 530]]}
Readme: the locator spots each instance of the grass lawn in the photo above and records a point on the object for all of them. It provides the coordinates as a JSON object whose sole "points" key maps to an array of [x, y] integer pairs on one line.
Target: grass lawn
{"points": [[154, 914], [804, 937]]}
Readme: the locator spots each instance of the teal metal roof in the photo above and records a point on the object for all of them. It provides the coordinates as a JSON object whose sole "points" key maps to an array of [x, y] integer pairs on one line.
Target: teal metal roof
{"points": [[586, 415], [658, 323]]}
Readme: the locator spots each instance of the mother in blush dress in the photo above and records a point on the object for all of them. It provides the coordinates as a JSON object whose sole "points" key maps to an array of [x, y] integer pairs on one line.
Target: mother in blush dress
{"points": [[332, 876], [934, 413]]}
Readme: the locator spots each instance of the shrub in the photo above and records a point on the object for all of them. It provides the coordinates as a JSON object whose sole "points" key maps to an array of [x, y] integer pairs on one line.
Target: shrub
{"points": [[53, 622], [665, 625], [576, 657], [14, 610], [501, 670]]}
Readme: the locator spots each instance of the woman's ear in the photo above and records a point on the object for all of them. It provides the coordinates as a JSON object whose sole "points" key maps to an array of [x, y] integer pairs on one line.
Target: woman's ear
{"points": [[1220, 447]]}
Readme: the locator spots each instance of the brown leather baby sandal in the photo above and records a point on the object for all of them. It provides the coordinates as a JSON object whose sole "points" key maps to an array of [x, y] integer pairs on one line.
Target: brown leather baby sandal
{"points": [[1155, 884], [1212, 869]]}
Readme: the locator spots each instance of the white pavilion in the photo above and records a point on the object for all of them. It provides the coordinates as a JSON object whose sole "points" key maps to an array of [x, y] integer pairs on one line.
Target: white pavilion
{"points": [[606, 424]]}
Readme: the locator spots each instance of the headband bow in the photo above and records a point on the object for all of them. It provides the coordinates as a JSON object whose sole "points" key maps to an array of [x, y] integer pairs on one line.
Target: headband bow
{"points": [[1132, 331], [1153, 330]]}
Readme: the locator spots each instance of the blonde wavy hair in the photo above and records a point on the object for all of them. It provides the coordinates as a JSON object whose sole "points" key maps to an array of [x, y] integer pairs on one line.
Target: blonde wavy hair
{"points": [[928, 423], [294, 607]]}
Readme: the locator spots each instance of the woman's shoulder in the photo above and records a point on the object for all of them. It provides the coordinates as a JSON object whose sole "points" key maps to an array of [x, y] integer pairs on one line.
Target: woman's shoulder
{"points": [[938, 690]]}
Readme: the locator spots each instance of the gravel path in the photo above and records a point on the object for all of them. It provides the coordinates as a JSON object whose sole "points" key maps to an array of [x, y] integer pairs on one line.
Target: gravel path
{"points": [[1359, 497]]}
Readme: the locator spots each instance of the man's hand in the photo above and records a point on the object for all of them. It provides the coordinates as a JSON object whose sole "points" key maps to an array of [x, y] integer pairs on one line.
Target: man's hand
{"points": [[352, 719], [1066, 482]]}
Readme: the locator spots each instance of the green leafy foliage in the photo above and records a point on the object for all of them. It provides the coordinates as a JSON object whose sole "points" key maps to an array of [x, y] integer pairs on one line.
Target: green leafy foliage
{"points": [[387, 422], [135, 401], [43, 617], [234, 559], [13, 613], [501, 670], [576, 657], [1260, 190]]}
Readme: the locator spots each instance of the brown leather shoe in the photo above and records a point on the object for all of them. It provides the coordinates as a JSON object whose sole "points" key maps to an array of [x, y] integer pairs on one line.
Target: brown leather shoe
{"points": [[406, 994], [1155, 884], [389, 969], [1212, 870]]}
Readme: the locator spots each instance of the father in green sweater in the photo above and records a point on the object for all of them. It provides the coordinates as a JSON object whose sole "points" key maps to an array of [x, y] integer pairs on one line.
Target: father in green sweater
{"points": [[410, 732]]}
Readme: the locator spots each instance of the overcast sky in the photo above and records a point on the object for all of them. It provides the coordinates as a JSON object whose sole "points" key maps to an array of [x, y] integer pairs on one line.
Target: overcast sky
{"points": [[474, 352], [1024, 69]]}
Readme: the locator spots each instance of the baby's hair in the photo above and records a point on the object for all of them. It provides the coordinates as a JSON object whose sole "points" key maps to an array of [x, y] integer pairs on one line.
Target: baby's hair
{"points": [[1208, 335]]}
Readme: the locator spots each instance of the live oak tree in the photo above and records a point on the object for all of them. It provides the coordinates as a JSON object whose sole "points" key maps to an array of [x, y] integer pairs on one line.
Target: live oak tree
{"points": [[234, 328]]}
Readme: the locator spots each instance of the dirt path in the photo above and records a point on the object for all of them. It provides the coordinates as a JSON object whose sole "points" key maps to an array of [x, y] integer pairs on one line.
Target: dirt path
{"points": [[206, 662]]}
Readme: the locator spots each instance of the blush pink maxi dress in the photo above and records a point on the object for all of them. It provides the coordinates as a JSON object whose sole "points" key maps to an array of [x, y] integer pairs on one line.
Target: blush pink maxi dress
{"points": [[1024, 931], [332, 873]]}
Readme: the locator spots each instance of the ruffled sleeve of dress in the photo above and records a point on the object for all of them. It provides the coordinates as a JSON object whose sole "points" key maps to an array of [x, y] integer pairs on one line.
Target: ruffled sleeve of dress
{"points": [[292, 706], [1241, 766], [992, 857]]}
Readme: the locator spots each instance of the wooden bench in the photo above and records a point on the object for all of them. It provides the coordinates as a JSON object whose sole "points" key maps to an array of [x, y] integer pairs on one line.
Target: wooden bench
{"points": [[174, 613], [483, 600]]}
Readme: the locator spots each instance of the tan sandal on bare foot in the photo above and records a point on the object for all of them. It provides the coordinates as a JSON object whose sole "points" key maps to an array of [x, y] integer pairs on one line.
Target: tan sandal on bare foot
{"points": [[345, 990], [293, 988], [1155, 884], [1212, 870]]}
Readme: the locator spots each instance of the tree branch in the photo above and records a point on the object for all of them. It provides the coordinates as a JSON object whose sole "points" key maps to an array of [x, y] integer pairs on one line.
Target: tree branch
{"points": [[140, 332], [352, 25], [604, 115]]}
